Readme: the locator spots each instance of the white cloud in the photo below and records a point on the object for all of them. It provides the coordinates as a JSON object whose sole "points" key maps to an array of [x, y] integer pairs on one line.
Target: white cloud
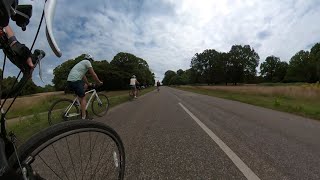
{"points": [[168, 33]]}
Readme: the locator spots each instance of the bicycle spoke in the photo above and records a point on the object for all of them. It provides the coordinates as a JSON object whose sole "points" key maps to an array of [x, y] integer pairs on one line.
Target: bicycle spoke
{"points": [[49, 167], [57, 157], [89, 160], [92, 150], [85, 169], [108, 158], [95, 171], [105, 163], [80, 157], [75, 174], [59, 161]]}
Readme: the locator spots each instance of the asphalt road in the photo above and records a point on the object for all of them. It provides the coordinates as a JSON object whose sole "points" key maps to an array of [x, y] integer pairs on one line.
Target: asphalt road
{"points": [[174, 134]]}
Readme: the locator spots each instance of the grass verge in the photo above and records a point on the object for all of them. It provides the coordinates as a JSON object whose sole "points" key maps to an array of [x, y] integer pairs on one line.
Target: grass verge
{"points": [[25, 128], [293, 104]]}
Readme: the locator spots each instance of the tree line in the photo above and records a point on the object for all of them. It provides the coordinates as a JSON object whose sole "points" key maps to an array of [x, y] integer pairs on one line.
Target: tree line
{"points": [[115, 75], [30, 87], [239, 65]]}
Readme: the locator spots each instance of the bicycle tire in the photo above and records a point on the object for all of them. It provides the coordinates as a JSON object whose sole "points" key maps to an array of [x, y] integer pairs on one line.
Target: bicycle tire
{"points": [[36, 144], [54, 112], [96, 103]]}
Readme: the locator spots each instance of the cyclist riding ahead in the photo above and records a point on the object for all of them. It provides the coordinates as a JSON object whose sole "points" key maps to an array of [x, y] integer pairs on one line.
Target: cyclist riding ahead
{"points": [[78, 82], [158, 85], [133, 84]]}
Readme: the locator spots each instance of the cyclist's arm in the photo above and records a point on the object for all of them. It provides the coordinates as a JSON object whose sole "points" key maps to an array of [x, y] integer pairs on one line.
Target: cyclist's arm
{"points": [[9, 31], [10, 34], [85, 80], [94, 75]]}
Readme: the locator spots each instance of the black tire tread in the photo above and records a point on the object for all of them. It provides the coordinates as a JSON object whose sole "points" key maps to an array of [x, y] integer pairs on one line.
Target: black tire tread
{"points": [[38, 139], [92, 105]]}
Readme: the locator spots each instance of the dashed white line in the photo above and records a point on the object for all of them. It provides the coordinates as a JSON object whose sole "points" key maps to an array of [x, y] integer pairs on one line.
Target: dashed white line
{"points": [[246, 171]]}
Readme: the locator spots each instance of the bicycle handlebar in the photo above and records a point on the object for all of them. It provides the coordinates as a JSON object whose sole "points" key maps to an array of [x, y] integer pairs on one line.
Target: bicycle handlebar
{"points": [[49, 10]]}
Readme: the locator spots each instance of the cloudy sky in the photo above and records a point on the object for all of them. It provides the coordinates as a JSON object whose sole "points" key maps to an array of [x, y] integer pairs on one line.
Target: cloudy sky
{"points": [[167, 33]]}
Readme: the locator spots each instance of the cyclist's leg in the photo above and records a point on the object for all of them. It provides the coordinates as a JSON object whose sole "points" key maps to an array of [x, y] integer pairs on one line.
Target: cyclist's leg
{"points": [[135, 91], [132, 90], [83, 103], [79, 89]]}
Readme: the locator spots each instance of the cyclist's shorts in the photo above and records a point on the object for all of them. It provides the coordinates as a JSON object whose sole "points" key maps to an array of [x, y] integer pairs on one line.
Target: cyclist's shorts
{"points": [[133, 86], [77, 87]]}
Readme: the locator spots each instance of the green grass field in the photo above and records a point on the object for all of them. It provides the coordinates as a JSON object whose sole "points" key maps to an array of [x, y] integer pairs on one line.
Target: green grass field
{"points": [[35, 122], [301, 99]]}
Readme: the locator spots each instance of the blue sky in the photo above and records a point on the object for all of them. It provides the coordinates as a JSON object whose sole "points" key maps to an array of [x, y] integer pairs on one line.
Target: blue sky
{"points": [[167, 33]]}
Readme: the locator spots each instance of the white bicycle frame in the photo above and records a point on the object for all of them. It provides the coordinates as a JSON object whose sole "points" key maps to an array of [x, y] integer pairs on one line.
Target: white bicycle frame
{"points": [[94, 94]]}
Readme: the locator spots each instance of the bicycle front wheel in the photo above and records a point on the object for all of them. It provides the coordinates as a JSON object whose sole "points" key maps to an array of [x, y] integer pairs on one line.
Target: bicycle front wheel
{"points": [[63, 110], [100, 105], [72, 150]]}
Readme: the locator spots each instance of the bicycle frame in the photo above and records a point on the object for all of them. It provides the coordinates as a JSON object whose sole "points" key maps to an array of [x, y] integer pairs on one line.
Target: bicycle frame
{"points": [[94, 94]]}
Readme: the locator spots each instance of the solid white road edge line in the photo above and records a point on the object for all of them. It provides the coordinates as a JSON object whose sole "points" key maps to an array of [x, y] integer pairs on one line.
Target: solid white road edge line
{"points": [[247, 172]]}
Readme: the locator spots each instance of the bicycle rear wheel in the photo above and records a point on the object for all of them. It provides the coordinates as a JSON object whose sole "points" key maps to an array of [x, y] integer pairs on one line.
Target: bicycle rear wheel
{"points": [[72, 150], [57, 112], [100, 106]]}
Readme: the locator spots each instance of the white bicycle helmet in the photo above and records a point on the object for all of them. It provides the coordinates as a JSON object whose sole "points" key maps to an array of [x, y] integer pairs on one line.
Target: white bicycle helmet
{"points": [[88, 57]]}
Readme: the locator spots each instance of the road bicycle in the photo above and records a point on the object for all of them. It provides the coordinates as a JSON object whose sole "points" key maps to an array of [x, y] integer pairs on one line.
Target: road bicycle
{"points": [[68, 150], [68, 109]]}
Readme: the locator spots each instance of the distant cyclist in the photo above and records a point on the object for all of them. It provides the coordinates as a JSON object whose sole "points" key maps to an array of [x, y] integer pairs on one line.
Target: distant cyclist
{"points": [[133, 84], [78, 82], [158, 85]]}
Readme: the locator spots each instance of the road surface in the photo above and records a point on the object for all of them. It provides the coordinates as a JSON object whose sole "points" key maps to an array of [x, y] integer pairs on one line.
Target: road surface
{"points": [[173, 134]]}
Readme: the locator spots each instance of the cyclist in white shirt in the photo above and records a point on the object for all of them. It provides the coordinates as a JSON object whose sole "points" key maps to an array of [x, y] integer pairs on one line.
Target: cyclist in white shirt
{"points": [[78, 82], [133, 85]]}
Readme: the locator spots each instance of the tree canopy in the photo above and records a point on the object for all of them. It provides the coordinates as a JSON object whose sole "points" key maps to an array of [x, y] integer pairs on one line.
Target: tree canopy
{"points": [[115, 75], [273, 70], [239, 65]]}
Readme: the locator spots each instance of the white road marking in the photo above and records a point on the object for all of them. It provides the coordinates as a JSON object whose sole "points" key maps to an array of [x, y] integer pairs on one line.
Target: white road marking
{"points": [[247, 172]]}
